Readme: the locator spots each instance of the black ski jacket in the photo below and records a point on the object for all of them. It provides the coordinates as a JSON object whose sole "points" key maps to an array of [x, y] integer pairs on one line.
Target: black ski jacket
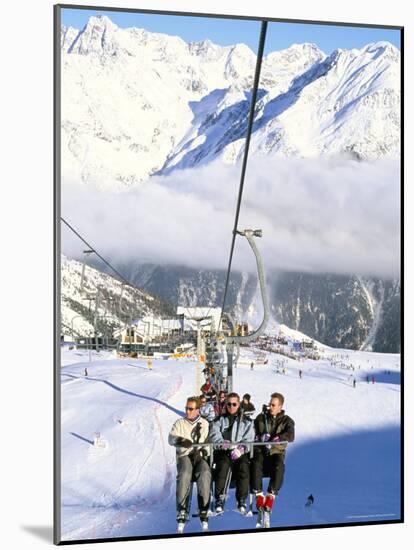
{"points": [[281, 425]]}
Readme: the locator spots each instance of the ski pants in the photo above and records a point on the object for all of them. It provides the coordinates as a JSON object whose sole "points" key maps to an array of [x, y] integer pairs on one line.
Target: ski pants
{"points": [[240, 472], [198, 470], [265, 465]]}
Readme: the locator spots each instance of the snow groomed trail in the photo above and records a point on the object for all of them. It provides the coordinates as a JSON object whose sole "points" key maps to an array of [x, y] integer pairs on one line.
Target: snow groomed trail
{"points": [[346, 452]]}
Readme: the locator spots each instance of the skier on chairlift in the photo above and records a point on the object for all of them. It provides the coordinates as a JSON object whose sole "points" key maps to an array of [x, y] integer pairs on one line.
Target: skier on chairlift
{"points": [[192, 462], [272, 426], [231, 431]]}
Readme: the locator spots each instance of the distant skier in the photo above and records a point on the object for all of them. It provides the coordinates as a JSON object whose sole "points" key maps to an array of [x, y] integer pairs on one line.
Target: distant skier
{"points": [[300, 373], [231, 431], [251, 365], [367, 379], [275, 426], [247, 406], [373, 379], [191, 461], [86, 371], [310, 501], [354, 382]]}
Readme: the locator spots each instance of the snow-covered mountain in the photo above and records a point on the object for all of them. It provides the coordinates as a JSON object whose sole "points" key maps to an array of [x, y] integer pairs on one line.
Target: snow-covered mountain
{"points": [[136, 104], [119, 86], [115, 305]]}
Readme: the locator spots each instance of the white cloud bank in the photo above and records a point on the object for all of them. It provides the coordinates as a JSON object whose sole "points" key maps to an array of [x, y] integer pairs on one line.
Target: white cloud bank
{"points": [[317, 215]]}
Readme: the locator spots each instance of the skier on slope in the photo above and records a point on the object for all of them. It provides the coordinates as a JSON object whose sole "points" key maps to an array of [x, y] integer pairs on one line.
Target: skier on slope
{"points": [[191, 461], [232, 430], [271, 425]]}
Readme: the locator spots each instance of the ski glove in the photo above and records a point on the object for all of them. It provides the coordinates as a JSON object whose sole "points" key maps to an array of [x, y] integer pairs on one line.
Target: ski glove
{"points": [[275, 439], [265, 437], [237, 452], [226, 444], [182, 442]]}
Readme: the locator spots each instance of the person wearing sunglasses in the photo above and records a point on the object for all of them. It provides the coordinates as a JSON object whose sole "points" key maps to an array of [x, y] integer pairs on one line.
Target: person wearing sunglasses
{"points": [[192, 462], [231, 430], [273, 425]]}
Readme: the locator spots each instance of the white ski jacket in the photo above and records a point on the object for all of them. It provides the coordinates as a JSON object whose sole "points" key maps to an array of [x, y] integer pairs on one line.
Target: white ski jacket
{"points": [[185, 429]]}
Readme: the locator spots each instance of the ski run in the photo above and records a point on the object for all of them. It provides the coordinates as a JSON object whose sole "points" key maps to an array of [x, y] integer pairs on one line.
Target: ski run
{"points": [[118, 471]]}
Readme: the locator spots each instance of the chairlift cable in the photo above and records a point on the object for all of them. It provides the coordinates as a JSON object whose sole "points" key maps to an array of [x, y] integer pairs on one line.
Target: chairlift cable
{"points": [[246, 153], [99, 255]]}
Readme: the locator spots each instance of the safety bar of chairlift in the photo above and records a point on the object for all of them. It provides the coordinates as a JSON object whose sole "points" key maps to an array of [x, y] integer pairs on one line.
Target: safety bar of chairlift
{"points": [[251, 446]]}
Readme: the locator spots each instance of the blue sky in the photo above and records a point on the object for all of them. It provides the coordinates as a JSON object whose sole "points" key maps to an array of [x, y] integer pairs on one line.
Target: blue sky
{"points": [[232, 31]]}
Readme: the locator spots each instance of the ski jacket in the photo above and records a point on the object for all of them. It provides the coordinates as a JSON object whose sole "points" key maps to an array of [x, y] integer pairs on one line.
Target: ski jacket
{"points": [[220, 408], [281, 425], [185, 429], [235, 428], [248, 409], [208, 412], [208, 390]]}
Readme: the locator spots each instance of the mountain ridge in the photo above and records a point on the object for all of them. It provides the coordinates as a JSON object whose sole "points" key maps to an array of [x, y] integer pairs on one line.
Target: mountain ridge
{"points": [[310, 103]]}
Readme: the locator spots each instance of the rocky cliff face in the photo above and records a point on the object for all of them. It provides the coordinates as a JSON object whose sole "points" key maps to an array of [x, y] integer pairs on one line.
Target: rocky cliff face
{"points": [[340, 311]]}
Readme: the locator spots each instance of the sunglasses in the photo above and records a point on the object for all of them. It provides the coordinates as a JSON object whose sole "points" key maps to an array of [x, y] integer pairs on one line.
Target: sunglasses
{"points": [[229, 404], [190, 408]]}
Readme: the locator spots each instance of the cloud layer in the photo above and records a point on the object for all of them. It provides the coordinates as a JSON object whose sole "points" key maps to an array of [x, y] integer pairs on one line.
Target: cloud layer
{"points": [[317, 215]]}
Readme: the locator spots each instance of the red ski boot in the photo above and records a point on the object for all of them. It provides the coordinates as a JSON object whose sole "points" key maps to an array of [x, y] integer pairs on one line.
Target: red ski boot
{"points": [[260, 501], [268, 505]]}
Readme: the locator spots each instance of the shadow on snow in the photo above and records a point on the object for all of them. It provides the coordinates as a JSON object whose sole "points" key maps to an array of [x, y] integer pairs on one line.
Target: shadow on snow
{"points": [[127, 392]]}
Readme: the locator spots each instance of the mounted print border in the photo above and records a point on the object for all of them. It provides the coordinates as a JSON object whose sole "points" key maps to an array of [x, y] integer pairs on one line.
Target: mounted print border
{"points": [[228, 274]]}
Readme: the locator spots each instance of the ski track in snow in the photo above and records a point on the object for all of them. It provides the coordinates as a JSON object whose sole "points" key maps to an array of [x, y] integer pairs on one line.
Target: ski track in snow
{"points": [[128, 487]]}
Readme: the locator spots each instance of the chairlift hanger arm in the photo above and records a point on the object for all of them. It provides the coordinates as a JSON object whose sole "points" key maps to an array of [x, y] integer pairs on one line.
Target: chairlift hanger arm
{"points": [[250, 234]]}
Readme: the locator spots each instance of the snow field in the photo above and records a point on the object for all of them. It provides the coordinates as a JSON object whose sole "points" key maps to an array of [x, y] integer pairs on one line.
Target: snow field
{"points": [[346, 451]]}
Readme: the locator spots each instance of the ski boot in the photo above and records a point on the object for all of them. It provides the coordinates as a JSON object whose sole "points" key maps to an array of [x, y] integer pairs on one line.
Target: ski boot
{"points": [[182, 519], [270, 498], [203, 515], [219, 506], [241, 507], [260, 502]]}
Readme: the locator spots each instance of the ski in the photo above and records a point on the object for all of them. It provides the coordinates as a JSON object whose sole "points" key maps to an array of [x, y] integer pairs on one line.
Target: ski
{"points": [[197, 515], [263, 519], [259, 519], [241, 512]]}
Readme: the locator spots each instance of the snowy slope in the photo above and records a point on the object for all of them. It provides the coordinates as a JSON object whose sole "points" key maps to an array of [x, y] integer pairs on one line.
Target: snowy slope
{"points": [[346, 451], [118, 85]]}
